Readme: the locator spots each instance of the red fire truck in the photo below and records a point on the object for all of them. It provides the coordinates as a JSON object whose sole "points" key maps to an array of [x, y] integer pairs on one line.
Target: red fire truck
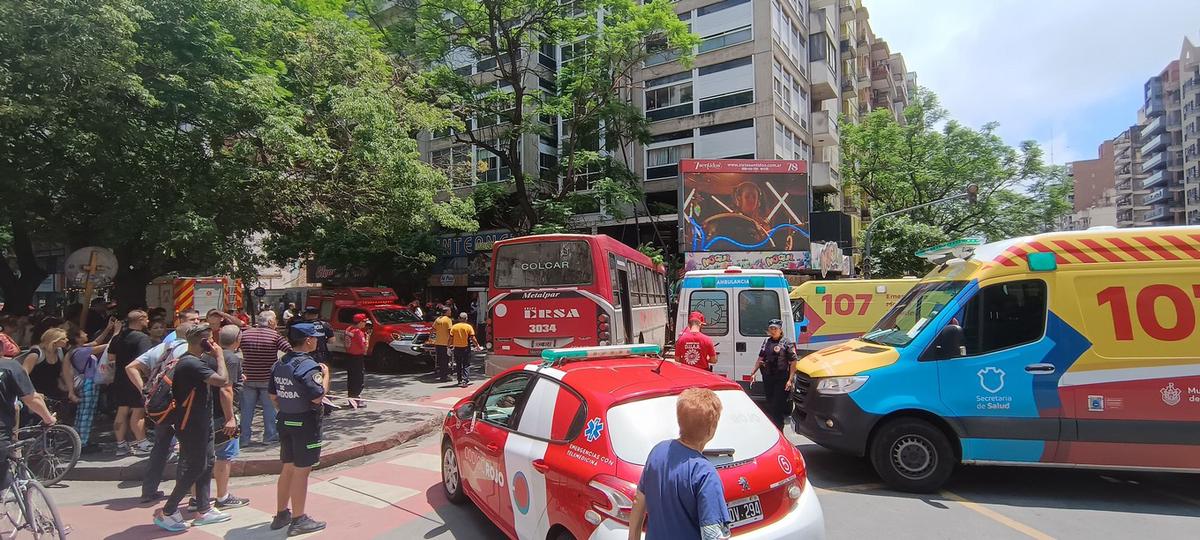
{"points": [[397, 336], [570, 290]]}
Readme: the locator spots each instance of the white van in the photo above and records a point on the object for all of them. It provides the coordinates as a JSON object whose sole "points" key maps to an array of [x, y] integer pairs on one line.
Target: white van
{"points": [[737, 304]]}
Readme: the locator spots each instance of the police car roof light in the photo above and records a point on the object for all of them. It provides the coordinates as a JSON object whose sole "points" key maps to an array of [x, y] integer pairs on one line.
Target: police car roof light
{"points": [[963, 248], [552, 356]]}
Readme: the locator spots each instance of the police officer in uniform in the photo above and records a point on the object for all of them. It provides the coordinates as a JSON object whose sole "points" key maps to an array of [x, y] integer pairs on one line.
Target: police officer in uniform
{"points": [[777, 360], [298, 386]]}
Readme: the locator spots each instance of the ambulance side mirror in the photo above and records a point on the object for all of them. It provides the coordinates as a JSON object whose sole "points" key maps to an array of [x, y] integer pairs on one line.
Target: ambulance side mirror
{"points": [[948, 344], [466, 411]]}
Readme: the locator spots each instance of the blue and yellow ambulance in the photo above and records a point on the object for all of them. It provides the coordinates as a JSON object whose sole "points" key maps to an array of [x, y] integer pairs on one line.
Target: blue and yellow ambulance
{"points": [[1076, 349]]}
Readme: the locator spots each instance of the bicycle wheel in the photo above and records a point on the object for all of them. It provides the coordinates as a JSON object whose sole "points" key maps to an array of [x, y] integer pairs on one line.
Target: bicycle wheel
{"points": [[42, 515], [13, 506], [55, 454]]}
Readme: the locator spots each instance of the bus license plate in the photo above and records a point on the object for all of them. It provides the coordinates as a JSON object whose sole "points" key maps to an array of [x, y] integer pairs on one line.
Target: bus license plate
{"points": [[543, 343], [745, 511]]}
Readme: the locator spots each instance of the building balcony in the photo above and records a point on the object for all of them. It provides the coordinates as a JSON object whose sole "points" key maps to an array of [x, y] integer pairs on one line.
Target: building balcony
{"points": [[825, 129], [1157, 213], [1125, 202], [1154, 162], [1155, 196], [824, 81], [1193, 217], [881, 78], [1125, 186], [1155, 143], [849, 48], [1155, 107], [1155, 127], [824, 178], [1154, 179]]}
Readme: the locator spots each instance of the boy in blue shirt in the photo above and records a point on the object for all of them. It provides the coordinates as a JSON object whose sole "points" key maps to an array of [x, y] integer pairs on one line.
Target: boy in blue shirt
{"points": [[680, 488]]}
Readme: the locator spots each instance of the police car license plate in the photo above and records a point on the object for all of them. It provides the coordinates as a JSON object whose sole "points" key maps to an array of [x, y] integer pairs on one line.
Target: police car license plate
{"points": [[543, 343], [745, 511]]}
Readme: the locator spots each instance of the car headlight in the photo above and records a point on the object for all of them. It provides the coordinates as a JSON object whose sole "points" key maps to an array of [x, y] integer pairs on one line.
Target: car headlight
{"points": [[841, 385]]}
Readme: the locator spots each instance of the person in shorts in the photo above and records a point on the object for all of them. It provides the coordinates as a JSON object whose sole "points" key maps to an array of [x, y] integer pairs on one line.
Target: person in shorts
{"points": [[462, 338], [225, 422], [298, 386]]}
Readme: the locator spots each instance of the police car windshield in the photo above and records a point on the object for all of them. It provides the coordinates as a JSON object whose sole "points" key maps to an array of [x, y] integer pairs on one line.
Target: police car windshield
{"points": [[543, 264], [913, 312], [395, 316]]}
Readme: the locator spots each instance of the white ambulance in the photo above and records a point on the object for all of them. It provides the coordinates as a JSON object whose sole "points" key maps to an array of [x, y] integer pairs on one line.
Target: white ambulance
{"points": [[737, 305]]}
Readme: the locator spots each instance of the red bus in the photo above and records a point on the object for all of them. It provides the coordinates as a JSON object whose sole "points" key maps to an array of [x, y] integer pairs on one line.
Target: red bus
{"points": [[570, 290]]}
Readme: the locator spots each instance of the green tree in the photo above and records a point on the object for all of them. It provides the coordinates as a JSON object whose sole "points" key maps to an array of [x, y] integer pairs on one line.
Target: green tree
{"points": [[517, 90], [930, 157], [174, 131]]}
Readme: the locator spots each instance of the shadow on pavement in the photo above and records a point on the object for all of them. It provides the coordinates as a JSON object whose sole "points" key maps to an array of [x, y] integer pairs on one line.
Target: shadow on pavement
{"points": [[1023, 487], [457, 521]]}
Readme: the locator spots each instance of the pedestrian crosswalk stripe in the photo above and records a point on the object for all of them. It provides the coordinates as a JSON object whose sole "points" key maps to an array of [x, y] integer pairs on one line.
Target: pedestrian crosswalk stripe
{"points": [[243, 521], [364, 492], [429, 462]]}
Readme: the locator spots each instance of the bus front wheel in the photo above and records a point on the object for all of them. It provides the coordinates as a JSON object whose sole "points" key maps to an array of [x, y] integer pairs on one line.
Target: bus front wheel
{"points": [[912, 455]]}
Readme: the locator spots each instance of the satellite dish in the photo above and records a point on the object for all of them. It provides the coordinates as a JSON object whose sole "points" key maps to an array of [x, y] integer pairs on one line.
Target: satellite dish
{"points": [[90, 264]]}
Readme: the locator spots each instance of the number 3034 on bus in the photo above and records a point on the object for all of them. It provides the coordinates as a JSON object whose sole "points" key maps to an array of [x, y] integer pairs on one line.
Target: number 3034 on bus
{"points": [[542, 328]]}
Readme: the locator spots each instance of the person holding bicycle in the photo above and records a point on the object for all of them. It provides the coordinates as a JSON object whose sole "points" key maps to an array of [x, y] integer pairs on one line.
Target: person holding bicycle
{"points": [[15, 385]]}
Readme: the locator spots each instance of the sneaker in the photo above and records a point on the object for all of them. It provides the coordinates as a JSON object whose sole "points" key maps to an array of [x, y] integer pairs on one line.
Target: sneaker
{"points": [[173, 458], [305, 525], [143, 445], [231, 501], [281, 520], [173, 522], [123, 449], [157, 496], [193, 505], [212, 516], [463, 384]]}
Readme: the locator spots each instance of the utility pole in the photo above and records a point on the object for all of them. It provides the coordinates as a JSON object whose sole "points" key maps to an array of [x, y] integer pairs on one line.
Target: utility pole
{"points": [[971, 194]]}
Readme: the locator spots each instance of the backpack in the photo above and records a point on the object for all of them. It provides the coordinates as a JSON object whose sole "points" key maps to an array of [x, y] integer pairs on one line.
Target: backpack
{"points": [[160, 400]]}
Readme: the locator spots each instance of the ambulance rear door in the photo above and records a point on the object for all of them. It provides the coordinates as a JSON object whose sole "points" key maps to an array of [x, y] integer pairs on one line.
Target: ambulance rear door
{"points": [[714, 303], [754, 309]]}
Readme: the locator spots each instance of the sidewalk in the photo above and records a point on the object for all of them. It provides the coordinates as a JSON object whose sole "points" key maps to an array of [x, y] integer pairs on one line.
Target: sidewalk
{"points": [[348, 433]]}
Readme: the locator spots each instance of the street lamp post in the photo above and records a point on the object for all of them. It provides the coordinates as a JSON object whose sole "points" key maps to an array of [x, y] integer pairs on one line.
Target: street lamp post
{"points": [[970, 194]]}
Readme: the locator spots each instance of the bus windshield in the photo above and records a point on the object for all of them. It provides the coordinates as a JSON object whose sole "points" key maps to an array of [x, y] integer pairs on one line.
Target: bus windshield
{"points": [[542, 264], [913, 312]]}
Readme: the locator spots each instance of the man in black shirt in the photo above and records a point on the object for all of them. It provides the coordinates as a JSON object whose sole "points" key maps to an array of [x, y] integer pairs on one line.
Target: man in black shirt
{"points": [[777, 360], [191, 381], [14, 385]]}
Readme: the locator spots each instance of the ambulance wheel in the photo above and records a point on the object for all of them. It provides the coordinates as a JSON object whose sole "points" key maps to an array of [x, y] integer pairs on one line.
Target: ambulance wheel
{"points": [[451, 474], [912, 455], [380, 359]]}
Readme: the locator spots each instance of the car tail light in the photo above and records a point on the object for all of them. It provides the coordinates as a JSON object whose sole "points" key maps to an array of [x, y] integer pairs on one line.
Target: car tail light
{"points": [[603, 327], [613, 497], [602, 318]]}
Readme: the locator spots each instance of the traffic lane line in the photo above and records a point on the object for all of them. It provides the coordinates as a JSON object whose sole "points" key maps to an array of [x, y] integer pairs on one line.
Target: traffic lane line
{"points": [[996, 516]]}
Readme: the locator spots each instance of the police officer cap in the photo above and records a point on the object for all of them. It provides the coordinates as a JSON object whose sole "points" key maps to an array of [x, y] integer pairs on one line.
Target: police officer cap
{"points": [[306, 329], [775, 322], [312, 309]]}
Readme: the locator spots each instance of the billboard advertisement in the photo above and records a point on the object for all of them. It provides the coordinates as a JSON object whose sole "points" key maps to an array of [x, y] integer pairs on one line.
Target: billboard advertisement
{"points": [[757, 260], [744, 205]]}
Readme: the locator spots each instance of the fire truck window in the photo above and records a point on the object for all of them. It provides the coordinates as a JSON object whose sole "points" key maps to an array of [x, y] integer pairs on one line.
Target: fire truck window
{"points": [[715, 307], [543, 264], [347, 315], [755, 310], [1003, 316], [502, 400]]}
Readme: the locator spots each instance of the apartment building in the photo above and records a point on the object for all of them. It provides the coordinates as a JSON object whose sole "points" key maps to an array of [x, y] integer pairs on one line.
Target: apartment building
{"points": [[1091, 178], [1189, 79], [771, 79], [1127, 160], [1162, 148]]}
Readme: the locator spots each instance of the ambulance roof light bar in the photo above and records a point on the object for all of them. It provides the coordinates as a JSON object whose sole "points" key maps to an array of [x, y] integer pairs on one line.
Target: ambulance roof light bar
{"points": [[560, 356], [963, 248]]}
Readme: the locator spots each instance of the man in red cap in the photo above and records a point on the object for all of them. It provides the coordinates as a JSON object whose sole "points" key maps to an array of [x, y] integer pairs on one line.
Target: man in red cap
{"points": [[693, 348], [356, 350]]}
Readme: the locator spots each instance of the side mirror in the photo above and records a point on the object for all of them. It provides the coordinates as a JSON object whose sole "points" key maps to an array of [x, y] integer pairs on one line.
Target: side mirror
{"points": [[948, 343], [466, 411]]}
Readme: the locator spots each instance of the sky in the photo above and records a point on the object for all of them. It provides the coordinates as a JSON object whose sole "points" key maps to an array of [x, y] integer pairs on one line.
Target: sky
{"points": [[1066, 73]]}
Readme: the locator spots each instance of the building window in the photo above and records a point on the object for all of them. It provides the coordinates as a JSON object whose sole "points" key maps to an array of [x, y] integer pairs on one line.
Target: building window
{"points": [[660, 52], [732, 126], [723, 66], [719, 6], [664, 162], [668, 79], [669, 102], [671, 136], [726, 101], [489, 167], [726, 39]]}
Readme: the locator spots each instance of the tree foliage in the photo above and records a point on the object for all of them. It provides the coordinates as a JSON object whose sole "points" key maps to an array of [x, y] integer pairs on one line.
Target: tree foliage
{"points": [[518, 90], [930, 157], [173, 131]]}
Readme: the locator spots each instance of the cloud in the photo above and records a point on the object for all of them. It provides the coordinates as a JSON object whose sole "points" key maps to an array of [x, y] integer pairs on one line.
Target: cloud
{"points": [[1074, 67]]}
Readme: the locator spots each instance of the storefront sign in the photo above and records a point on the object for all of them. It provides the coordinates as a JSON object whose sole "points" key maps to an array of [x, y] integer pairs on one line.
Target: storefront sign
{"points": [[467, 245], [769, 260]]}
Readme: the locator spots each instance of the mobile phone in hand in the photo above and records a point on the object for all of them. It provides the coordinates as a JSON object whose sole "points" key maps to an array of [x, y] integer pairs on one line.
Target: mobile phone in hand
{"points": [[207, 345]]}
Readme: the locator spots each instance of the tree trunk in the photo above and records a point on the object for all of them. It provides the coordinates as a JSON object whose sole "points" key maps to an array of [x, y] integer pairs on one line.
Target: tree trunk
{"points": [[19, 289]]}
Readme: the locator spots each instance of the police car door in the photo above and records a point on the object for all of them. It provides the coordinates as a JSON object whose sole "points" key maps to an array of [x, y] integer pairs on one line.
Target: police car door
{"points": [[714, 303], [753, 309]]}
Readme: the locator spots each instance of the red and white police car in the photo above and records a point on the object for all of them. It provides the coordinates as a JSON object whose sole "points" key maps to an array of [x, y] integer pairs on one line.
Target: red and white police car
{"points": [[554, 450]]}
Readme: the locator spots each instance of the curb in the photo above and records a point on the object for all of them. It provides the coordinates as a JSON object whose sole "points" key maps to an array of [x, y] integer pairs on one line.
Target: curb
{"points": [[264, 466]]}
